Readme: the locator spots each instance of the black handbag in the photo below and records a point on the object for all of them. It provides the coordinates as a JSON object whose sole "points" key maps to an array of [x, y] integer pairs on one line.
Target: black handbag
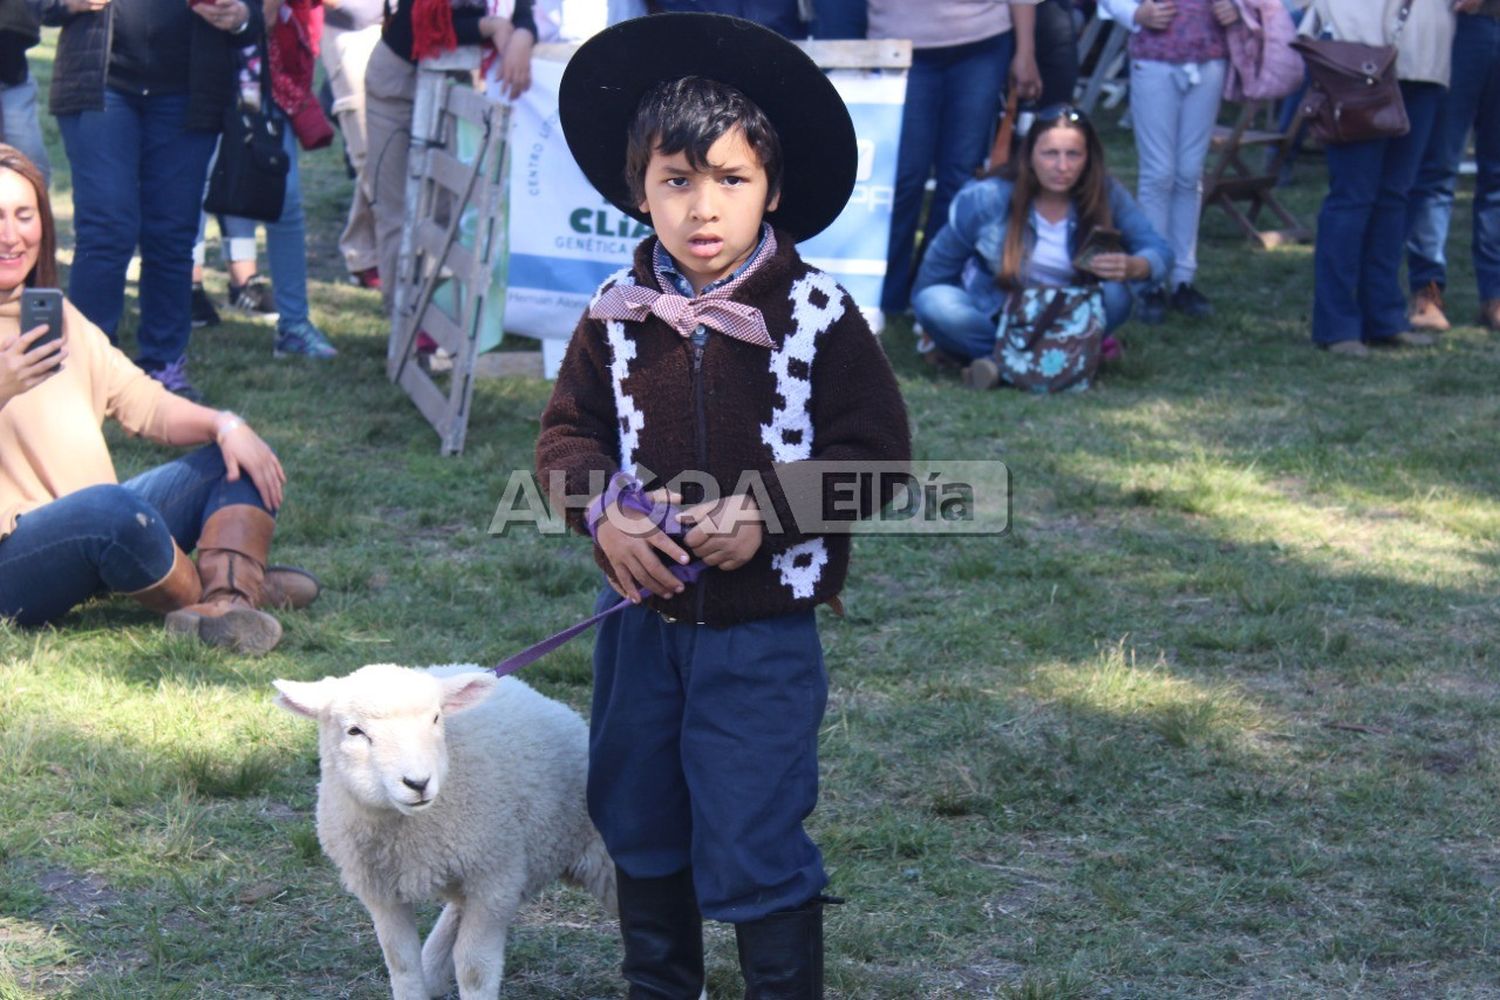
{"points": [[249, 176]]}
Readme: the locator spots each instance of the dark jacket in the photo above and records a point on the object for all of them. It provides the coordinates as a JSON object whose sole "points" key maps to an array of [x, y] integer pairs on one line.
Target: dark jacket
{"points": [[81, 68], [824, 393], [19, 31]]}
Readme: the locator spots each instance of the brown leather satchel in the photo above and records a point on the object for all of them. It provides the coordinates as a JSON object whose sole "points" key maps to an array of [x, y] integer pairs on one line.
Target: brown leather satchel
{"points": [[1353, 94]]}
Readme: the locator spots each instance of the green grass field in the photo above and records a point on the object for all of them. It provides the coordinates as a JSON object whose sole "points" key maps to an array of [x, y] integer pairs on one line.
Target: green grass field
{"points": [[1216, 719]]}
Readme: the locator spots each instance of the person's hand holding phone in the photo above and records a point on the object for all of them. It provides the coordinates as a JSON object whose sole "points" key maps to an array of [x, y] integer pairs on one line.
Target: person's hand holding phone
{"points": [[84, 6], [26, 362], [1119, 267], [1225, 12]]}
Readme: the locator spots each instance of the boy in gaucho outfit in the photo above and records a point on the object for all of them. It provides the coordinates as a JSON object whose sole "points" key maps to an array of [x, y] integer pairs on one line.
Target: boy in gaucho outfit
{"points": [[703, 374]]}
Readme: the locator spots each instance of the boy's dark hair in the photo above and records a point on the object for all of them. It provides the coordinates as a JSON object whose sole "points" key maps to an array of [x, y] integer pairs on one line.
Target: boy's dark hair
{"points": [[688, 115]]}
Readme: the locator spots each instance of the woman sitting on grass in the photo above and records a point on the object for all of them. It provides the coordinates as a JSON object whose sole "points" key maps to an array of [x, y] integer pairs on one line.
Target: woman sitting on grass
{"points": [[67, 529], [1035, 223]]}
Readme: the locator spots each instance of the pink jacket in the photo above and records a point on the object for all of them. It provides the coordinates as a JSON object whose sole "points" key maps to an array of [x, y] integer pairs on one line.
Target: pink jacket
{"points": [[1262, 63]]}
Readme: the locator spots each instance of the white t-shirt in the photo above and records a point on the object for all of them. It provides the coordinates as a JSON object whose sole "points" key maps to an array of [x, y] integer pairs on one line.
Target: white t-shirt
{"points": [[1051, 264]]}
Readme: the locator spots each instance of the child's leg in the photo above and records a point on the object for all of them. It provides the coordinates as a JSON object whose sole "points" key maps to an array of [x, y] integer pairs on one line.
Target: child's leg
{"points": [[286, 246], [638, 798], [755, 698]]}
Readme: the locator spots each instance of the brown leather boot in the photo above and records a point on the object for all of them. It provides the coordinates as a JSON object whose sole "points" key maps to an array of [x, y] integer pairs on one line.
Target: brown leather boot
{"points": [[179, 588], [289, 588], [1489, 314], [1427, 309], [232, 554]]}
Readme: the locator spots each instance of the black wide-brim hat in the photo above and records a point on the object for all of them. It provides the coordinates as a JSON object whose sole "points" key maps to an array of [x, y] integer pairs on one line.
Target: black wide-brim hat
{"points": [[610, 73]]}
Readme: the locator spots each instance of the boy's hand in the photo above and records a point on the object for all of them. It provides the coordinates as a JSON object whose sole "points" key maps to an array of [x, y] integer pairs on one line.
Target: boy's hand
{"points": [[631, 541], [725, 533]]}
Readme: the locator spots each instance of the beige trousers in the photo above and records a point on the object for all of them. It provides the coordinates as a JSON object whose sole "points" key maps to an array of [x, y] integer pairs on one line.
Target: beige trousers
{"points": [[390, 84], [346, 53]]}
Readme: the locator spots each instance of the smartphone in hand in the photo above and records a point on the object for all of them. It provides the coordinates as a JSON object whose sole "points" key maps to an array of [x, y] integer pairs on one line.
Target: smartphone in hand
{"points": [[1101, 239], [42, 307]]}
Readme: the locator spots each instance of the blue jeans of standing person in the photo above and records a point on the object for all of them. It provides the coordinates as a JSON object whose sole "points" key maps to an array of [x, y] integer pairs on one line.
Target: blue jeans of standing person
{"points": [[952, 99], [703, 753], [1362, 228], [840, 19], [286, 244], [112, 537], [1472, 102], [138, 176], [21, 127], [962, 330]]}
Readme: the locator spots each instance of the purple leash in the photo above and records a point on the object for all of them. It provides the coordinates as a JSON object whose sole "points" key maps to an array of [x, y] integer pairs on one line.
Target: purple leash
{"points": [[627, 493]]}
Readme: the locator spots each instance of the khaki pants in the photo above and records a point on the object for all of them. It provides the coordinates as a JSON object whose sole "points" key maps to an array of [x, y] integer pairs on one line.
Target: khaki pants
{"points": [[390, 83], [345, 55]]}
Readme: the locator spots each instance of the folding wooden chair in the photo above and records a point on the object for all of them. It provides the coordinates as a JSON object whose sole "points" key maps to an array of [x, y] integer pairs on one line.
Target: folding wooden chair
{"points": [[1243, 190], [1108, 77]]}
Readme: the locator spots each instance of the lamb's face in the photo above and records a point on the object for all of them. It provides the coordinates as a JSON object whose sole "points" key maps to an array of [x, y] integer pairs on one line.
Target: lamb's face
{"points": [[381, 733], [390, 754]]}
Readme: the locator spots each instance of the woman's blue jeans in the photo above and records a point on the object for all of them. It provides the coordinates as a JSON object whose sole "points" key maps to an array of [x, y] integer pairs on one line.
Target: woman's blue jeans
{"points": [[112, 537], [138, 175], [1362, 228], [1472, 102], [961, 329], [952, 99]]}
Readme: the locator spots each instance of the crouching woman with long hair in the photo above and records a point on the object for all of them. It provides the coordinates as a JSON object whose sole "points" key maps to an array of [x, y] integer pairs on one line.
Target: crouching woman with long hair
{"points": [[68, 530], [1025, 226]]}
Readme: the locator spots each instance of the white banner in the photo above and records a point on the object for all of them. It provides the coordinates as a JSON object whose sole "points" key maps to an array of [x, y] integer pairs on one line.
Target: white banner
{"points": [[565, 239]]}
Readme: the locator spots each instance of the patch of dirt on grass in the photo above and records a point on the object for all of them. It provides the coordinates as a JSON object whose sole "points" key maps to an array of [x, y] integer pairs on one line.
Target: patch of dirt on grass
{"points": [[1451, 760], [281, 812], [68, 892], [984, 976]]}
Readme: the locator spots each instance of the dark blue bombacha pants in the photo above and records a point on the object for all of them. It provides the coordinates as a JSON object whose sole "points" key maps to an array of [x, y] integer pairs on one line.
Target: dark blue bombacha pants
{"points": [[703, 752]]}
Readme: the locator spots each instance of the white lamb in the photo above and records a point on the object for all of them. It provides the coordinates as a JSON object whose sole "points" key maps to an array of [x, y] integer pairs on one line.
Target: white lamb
{"points": [[448, 783]]}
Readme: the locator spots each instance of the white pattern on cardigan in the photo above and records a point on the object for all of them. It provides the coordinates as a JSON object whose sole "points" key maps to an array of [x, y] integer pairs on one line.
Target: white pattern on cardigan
{"points": [[789, 434], [622, 351]]}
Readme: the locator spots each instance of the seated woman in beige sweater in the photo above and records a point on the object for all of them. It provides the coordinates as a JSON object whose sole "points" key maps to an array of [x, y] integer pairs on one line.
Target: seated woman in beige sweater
{"points": [[68, 529]]}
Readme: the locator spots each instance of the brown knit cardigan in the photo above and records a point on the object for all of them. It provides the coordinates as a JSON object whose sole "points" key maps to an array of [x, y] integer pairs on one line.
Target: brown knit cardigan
{"points": [[629, 396]]}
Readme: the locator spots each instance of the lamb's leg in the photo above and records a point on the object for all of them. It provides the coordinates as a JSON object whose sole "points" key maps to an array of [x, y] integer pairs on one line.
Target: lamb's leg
{"points": [[437, 953], [396, 928], [479, 952]]}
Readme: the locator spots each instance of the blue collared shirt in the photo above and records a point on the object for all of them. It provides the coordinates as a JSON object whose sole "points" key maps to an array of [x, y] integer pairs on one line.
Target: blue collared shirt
{"points": [[667, 268]]}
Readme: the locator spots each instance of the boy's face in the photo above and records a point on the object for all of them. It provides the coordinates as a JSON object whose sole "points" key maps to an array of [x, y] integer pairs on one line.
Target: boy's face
{"points": [[709, 220]]}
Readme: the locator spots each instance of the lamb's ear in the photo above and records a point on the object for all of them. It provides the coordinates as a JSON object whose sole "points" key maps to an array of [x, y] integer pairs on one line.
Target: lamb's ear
{"points": [[466, 690], [307, 698]]}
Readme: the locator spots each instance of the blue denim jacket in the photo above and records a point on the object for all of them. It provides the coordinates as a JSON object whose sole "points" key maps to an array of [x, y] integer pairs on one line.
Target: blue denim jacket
{"points": [[966, 252]]}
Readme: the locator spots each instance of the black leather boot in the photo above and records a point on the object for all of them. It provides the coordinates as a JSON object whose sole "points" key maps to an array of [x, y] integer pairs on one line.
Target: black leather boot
{"points": [[663, 934], [781, 955]]}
